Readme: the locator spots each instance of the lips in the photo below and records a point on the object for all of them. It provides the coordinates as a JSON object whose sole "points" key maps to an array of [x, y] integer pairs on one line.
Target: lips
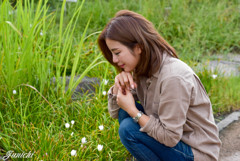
{"points": [[121, 66]]}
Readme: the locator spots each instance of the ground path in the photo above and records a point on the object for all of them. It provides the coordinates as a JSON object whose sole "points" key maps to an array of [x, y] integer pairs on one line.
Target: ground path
{"points": [[230, 137]]}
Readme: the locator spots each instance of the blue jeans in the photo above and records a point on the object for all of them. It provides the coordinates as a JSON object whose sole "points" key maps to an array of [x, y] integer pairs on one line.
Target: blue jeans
{"points": [[146, 148]]}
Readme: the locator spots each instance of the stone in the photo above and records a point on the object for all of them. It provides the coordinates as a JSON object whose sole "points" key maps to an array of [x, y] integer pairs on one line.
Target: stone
{"points": [[225, 65], [86, 86], [227, 68], [228, 120]]}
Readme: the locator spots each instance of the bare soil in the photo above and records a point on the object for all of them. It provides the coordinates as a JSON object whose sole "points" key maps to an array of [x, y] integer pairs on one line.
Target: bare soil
{"points": [[230, 137]]}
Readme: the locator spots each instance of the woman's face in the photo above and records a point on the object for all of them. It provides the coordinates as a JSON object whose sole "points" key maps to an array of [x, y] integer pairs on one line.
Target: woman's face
{"points": [[123, 56]]}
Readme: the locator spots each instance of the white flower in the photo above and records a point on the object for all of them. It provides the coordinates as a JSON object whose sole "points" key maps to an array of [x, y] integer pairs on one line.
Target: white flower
{"points": [[104, 93], [73, 153], [105, 81], [41, 33], [214, 76], [14, 92], [101, 127], [72, 133], [30, 25], [72, 122], [10, 12], [84, 140], [100, 147], [67, 125]]}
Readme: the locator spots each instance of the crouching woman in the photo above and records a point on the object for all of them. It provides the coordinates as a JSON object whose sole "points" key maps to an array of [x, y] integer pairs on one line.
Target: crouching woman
{"points": [[162, 107]]}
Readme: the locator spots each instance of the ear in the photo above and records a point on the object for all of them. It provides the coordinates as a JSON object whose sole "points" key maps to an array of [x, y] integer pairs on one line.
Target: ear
{"points": [[137, 49]]}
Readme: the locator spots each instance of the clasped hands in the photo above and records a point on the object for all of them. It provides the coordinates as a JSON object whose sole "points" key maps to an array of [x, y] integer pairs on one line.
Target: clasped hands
{"points": [[123, 83]]}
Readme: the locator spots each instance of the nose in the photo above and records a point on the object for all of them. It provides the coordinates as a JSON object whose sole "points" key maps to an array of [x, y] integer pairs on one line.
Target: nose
{"points": [[115, 59]]}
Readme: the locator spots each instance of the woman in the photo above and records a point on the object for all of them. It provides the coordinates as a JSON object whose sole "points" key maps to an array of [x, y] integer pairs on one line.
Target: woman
{"points": [[174, 120]]}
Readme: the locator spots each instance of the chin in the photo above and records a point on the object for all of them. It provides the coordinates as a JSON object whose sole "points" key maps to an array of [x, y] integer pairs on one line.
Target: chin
{"points": [[128, 70]]}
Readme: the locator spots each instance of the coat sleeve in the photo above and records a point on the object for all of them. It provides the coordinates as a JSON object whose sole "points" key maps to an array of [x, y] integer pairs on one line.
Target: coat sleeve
{"points": [[113, 107], [175, 96]]}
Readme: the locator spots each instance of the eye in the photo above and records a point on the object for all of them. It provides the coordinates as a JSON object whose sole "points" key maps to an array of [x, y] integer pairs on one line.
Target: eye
{"points": [[117, 53]]}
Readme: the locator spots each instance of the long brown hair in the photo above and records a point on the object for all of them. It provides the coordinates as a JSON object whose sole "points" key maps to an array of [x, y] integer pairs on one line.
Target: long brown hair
{"points": [[131, 29]]}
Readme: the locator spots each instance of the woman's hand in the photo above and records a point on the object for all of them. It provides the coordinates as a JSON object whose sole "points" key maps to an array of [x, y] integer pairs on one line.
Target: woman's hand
{"points": [[126, 101], [123, 81]]}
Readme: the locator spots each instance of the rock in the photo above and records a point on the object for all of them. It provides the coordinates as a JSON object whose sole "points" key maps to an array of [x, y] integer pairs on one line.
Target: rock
{"points": [[228, 120], [226, 65], [86, 86], [227, 68]]}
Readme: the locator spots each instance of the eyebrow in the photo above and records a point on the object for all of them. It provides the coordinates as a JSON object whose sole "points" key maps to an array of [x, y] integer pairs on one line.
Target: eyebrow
{"points": [[114, 49]]}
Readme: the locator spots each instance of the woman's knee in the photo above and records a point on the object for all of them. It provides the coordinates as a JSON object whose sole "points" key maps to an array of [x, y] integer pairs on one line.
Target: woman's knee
{"points": [[127, 128]]}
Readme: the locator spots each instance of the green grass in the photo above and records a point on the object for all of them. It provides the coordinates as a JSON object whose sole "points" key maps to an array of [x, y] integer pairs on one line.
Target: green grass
{"points": [[37, 44]]}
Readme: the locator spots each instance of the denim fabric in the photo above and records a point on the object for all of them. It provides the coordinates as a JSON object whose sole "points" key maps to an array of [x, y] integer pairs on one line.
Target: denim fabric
{"points": [[146, 148]]}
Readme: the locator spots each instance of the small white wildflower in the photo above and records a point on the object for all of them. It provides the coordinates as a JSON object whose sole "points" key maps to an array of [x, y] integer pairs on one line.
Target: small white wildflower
{"points": [[214, 76], [105, 81], [72, 133], [10, 12], [84, 140], [14, 92], [168, 8], [41, 33], [0, 137], [74, 54], [67, 125], [73, 153], [30, 25], [100, 147], [101, 127], [72, 122], [104, 93]]}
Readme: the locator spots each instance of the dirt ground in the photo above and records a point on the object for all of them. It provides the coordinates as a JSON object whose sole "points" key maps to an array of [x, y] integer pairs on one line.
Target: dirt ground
{"points": [[230, 137]]}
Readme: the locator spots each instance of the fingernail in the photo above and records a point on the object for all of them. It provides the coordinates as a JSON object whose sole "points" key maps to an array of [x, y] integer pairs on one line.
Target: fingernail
{"points": [[132, 86]]}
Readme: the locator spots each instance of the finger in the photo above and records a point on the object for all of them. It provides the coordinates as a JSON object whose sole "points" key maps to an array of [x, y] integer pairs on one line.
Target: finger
{"points": [[130, 78], [117, 83], [120, 80], [126, 79], [127, 85], [120, 90], [135, 85]]}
